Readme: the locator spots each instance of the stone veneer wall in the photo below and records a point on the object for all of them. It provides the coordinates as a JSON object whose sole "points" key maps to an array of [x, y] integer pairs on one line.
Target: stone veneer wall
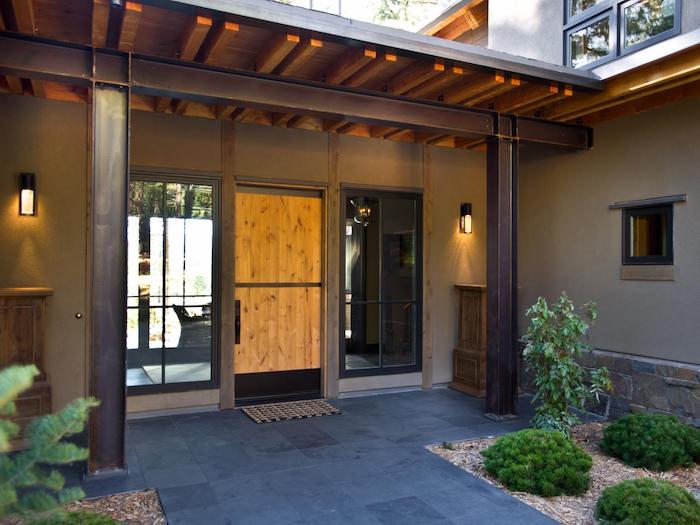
{"points": [[646, 384], [643, 384]]}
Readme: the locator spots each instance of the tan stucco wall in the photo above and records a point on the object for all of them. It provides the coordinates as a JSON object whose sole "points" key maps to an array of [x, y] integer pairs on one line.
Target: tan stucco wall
{"points": [[570, 240], [49, 139]]}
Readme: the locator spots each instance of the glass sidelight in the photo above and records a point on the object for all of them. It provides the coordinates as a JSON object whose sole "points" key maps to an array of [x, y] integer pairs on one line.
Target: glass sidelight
{"points": [[382, 283], [170, 287]]}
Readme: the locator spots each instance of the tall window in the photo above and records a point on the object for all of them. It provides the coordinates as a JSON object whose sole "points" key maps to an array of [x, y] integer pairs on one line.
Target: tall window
{"points": [[170, 268], [382, 283], [599, 30]]}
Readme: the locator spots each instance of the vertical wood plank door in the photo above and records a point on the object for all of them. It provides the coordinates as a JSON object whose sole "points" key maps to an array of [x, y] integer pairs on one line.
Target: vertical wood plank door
{"points": [[278, 283]]}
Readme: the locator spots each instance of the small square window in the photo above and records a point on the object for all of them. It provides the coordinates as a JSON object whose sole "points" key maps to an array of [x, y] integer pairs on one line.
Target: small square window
{"points": [[648, 235], [645, 19]]}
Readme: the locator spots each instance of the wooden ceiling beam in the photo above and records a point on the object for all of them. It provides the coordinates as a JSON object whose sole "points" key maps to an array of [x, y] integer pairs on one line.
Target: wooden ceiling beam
{"points": [[131, 18], [14, 84], [193, 37], [301, 55], [213, 51], [671, 72], [281, 119], [331, 126], [473, 86], [348, 64], [432, 30], [414, 75], [275, 52], [495, 91], [435, 84], [3, 26], [100, 22], [368, 72], [524, 96], [223, 112], [23, 11]]}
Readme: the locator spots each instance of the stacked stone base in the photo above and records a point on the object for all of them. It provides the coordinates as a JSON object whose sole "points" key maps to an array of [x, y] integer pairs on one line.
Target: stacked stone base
{"points": [[643, 384]]}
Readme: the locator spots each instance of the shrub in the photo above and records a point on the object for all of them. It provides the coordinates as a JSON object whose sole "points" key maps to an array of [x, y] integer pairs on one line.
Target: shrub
{"points": [[539, 462], [77, 518], [653, 441], [27, 486], [553, 344], [647, 501]]}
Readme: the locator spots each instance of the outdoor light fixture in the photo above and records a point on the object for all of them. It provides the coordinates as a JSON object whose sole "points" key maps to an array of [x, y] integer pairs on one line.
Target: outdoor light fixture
{"points": [[465, 217], [362, 211], [27, 200]]}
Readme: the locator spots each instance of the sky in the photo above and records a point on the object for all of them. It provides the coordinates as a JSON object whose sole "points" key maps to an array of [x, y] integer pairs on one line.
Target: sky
{"points": [[365, 10]]}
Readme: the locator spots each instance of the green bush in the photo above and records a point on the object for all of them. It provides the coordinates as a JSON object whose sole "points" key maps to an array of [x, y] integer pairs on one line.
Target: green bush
{"points": [[553, 346], [653, 441], [77, 518], [539, 462], [647, 501]]}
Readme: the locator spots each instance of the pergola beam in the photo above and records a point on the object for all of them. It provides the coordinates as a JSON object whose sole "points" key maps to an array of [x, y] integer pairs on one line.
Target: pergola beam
{"points": [[197, 82]]}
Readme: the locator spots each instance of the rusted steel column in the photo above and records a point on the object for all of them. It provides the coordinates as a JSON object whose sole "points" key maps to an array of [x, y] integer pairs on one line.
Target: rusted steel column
{"points": [[501, 274], [108, 214]]}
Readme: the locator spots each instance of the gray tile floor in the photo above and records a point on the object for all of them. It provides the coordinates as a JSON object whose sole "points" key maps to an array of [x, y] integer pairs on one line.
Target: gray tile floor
{"points": [[366, 466]]}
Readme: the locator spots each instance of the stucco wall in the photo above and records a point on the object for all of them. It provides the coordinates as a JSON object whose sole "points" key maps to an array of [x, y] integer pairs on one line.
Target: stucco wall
{"points": [[49, 139], [531, 28], [570, 240]]}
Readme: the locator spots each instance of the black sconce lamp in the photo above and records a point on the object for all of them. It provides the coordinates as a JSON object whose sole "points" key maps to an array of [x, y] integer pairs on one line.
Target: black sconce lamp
{"points": [[27, 194], [465, 217]]}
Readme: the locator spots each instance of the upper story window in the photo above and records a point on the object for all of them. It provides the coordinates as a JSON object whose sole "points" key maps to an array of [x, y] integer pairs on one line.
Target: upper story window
{"points": [[599, 30]]}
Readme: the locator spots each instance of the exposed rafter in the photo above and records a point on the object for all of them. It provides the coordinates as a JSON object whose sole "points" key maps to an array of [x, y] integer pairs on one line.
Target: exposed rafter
{"points": [[276, 51], [302, 53], [100, 22], [131, 18], [348, 64]]}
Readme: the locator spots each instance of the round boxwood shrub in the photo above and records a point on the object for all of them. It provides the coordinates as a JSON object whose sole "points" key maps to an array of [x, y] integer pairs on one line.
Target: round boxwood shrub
{"points": [[76, 518], [647, 501], [653, 441], [540, 462]]}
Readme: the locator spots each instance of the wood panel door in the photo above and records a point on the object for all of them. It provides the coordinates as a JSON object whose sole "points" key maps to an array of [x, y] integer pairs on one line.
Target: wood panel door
{"points": [[278, 289]]}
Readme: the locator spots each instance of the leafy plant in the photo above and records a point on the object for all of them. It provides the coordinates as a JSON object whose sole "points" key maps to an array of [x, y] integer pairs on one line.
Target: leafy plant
{"points": [[647, 501], [539, 462], [447, 445], [76, 518], [653, 441], [27, 486], [553, 345]]}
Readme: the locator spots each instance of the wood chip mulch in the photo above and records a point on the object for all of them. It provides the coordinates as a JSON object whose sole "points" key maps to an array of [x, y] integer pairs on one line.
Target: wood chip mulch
{"points": [[569, 510], [130, 508]]}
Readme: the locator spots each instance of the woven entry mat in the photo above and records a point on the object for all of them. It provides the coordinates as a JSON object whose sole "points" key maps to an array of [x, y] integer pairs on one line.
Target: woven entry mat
{"points": [[290, 410]]}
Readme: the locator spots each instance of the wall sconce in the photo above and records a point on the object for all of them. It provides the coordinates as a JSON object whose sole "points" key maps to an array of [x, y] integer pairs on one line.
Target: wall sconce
{"points": [[27, 190], [363, 212], [465, 217]]}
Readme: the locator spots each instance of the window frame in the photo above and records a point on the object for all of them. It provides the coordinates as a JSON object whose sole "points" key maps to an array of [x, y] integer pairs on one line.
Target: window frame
{"points": [[417, 366], [659, 260], [614, 10]]}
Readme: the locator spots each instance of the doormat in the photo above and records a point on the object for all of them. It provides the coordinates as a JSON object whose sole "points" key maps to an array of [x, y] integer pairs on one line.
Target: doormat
{"points": [[290, 410]]}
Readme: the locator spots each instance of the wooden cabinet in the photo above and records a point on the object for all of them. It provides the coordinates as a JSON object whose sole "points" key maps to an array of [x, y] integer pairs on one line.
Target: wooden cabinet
{"points": [[22, 318], [469, 357]]}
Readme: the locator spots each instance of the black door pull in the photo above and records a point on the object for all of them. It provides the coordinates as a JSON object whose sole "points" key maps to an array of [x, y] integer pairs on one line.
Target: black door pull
{"points": [[238, 322]]}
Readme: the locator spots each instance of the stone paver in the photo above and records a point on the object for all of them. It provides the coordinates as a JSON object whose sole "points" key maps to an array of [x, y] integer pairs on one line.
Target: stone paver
{"points": [[367, 466]]}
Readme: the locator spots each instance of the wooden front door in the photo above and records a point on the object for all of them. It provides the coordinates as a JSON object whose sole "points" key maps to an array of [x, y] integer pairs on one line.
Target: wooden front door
{"points": [[278, 289]]}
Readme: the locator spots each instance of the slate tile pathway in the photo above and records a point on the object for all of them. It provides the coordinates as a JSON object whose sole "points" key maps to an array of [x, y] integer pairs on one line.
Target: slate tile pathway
{"points": [[367, 466]]}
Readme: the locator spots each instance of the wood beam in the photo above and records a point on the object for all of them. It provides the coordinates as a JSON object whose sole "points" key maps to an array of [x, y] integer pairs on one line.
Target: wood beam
{"points": [[493, 92], [213, 51], [193, 37], [438, 26], [14, 84], [435, 84], [300, 56], [524, 96], [671, 72], [501, 277], [281, 119], [330, 126], [23, 11], [100, 22], [415, 74], [368, 72], [131, 18], [3, 26], [275, 52], [223, 112], [473, 86], [348, 64]]}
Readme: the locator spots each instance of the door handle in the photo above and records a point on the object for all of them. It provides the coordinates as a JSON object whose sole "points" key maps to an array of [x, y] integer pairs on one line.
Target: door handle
{"points": [[238, 322]]}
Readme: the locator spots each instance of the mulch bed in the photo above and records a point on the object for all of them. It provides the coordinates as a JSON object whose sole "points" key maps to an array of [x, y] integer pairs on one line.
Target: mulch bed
{"points": [[570, 510], [130, 508]]}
